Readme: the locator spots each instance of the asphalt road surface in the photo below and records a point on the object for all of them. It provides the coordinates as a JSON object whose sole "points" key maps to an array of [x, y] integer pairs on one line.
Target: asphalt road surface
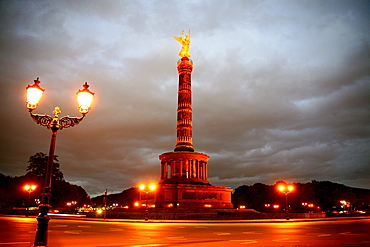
{"points": [[20, 231]]}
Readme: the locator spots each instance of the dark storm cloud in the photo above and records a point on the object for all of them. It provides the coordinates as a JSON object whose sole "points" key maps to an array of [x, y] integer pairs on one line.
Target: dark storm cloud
{"points": [[280, 88]]}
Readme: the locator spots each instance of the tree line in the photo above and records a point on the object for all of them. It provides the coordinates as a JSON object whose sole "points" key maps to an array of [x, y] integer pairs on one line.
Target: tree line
{"points": [[13, 194], [312, 196], [315, 196]]}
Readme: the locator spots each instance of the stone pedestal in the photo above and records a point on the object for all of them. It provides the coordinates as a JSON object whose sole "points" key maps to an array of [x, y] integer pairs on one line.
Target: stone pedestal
{"points": [[193, 196]]}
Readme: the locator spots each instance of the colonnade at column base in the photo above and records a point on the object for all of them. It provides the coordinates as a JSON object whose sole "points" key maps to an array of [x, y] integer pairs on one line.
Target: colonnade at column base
{"points": [[184, 167]]}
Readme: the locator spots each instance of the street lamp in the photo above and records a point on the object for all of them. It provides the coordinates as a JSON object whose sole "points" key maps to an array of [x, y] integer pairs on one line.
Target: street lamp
{"points": [[286, 189], [105, 203], [344, 205], [148, 189], [34, 94], [71, 206], [29, 189]]}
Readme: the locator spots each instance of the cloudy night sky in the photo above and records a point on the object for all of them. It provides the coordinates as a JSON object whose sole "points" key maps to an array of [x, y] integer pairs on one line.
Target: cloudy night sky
{"points": [[281, 89]]}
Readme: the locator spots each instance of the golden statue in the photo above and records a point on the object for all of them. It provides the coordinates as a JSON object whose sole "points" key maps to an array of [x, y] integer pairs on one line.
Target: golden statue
{"points": [[185, 41]]}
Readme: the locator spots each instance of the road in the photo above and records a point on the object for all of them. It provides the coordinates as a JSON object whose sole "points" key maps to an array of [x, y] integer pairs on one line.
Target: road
{"points": [[20, 231]]}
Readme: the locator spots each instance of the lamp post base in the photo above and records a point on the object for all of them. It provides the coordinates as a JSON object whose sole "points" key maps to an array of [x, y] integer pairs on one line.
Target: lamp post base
{"points": [[41, 238]]}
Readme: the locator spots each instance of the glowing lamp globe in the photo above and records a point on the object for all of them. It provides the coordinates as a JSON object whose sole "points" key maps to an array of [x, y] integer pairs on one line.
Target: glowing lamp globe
{"points": [[30, 188], [152, 187], [281, 188], [84, 99], [141, 186], [290, 188], [286, 188], [34, 94]]}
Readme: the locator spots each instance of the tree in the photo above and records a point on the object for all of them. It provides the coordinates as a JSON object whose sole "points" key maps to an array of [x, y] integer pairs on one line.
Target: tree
{"points": [[127, 197], [61, 191], [37, 166], [324, 195]]}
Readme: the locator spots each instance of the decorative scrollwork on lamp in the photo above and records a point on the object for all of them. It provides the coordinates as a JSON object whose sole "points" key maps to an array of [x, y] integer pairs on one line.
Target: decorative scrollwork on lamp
{"points": [[66, 122], [43, 120]]}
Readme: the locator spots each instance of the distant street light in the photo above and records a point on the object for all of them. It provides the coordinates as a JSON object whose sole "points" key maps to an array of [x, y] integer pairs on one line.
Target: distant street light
{"points": [[105, 203], [29, 189], [344, 205], [71, 206], [34, 94], [309, 206], [143, 188], [286, 189]]}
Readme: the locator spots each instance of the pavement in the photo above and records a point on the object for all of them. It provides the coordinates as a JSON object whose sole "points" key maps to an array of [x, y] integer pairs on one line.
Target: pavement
{"points": [[84, 218], [79, 217]]}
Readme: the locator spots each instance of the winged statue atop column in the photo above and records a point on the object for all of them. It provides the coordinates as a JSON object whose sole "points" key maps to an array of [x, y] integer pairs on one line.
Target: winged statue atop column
{"points": [[185, 42]]}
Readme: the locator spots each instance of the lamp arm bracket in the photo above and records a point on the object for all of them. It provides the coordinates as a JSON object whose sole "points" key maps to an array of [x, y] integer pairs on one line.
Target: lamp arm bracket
{"points": [[43, 120], [67, 121], [50, 122]]}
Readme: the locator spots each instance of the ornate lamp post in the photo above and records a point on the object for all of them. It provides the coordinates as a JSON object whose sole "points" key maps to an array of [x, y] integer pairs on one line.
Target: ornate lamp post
{"points": [[145, 189], [286, 189], [34, 94]]}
